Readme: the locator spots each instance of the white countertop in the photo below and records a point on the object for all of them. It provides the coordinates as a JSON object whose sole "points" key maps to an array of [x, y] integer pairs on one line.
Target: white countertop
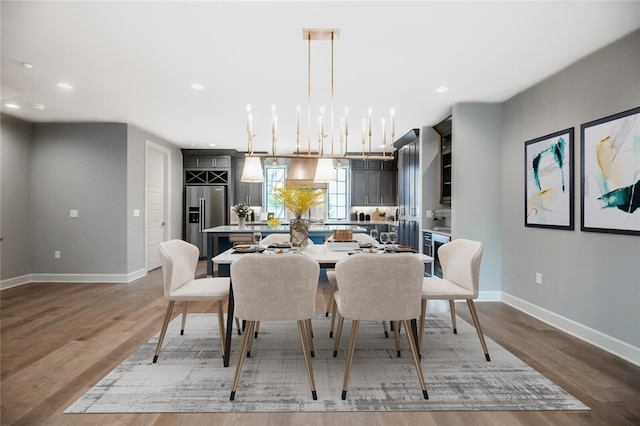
{"points": [[438, 230]]}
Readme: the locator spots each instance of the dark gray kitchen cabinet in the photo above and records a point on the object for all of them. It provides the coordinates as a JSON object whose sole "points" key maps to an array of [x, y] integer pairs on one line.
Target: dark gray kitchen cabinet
{"points": [[243, 192], [373, 183]]}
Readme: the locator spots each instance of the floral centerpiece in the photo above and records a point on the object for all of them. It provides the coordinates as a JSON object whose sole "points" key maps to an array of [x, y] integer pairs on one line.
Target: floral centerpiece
{"points": [[298, 200], [242, 210]]}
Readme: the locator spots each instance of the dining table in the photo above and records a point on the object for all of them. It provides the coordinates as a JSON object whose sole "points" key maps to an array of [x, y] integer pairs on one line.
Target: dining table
{"points": [[326, 256]]}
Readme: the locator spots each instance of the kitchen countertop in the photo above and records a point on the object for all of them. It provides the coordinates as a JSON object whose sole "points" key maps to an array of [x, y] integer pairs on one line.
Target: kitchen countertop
{"points": [[438, 230]]}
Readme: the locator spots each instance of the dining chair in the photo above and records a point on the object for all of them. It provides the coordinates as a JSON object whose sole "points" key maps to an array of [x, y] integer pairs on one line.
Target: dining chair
{"points": [[379, 288], [460, 261], [179, 260], [331, 276], [275, 288]]}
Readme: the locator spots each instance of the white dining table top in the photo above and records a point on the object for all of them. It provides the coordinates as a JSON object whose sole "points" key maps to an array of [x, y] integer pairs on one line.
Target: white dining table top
{"points": [[318, 252]]}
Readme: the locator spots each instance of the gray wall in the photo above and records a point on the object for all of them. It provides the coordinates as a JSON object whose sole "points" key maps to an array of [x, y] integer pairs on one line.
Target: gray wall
{"points": [[589, 278], [15, 190], [95, 168], [475, 186], [81, 166]]}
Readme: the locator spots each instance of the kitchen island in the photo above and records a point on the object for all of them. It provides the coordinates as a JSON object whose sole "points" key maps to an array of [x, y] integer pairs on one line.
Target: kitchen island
{"points": [[218, 237]]}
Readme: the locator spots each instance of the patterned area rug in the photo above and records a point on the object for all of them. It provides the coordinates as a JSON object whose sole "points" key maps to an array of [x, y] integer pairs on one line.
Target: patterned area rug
{"points": [[189, 376]]}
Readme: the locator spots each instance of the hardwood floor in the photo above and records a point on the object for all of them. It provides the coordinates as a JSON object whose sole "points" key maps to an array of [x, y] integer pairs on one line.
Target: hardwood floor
{"points": [[59, 339]]}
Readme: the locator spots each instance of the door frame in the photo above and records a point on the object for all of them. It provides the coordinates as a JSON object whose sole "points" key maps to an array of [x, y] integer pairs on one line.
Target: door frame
{"points": [[166, 155]]}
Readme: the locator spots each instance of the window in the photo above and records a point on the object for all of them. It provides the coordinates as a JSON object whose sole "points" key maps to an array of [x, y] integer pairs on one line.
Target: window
{"points": [[337, 206], [274, 178]]}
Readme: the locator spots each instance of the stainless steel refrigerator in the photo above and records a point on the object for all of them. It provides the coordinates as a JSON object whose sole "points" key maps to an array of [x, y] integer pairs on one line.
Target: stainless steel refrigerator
{"points": [[206, 207]]}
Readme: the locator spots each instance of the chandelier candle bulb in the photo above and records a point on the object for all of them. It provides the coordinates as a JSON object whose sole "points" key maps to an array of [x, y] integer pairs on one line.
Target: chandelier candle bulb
{"points": [[370, 114], [393, 122], [384, 133]]}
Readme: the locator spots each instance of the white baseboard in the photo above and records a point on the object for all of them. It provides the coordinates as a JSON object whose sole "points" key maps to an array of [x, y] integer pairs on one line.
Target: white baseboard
{"points": [[489, 296], [73, 278], [610, 344], [15, 281]]}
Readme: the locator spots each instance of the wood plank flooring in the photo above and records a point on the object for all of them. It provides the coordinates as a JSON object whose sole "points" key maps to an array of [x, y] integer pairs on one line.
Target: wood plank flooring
{"points": [[59, 339]]}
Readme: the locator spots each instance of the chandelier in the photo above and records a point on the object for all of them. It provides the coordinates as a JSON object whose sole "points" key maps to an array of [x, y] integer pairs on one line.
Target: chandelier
{"points": [[322, 154]]}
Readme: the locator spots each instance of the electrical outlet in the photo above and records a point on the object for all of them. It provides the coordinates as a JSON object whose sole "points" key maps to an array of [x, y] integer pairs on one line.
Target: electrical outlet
{"points": [[538, 278], [56, 254]]}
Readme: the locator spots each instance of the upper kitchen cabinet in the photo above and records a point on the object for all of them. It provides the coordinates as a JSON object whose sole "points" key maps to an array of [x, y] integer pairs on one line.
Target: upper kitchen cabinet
{"points": [[206, 162], [444, 130], [243, 192], [373, 183], [203, 168]]}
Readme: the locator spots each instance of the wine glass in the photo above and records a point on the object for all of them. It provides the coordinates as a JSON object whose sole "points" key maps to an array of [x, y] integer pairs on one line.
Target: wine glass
{"points": [[384, 238], [374, 233], [393, 238], [257, 237]]}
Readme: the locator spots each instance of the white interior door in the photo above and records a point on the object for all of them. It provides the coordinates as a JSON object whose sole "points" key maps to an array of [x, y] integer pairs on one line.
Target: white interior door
{"points": [[156, 178]]}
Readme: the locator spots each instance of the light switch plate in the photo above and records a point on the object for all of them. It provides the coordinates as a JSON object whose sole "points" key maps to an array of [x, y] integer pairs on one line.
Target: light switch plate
{"points": [[136, 212], [73, 213]]}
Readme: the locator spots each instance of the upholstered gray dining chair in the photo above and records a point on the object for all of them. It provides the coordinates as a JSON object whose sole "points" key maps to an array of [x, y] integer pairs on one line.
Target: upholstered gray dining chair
{"points": [[331, 276], [179, 260], [379, 288], [460, 261], [275, 288]]}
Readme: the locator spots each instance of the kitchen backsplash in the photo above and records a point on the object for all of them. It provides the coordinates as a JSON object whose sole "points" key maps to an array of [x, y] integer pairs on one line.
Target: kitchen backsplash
{"points": [[388, 211]]}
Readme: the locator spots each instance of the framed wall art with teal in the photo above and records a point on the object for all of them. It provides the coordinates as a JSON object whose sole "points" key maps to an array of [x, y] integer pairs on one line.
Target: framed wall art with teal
{"points": [[549, 181], [610, 169]]}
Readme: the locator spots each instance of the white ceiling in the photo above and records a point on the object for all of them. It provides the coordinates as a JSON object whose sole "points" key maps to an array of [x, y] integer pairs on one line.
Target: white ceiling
{"points": [[134, 62]]}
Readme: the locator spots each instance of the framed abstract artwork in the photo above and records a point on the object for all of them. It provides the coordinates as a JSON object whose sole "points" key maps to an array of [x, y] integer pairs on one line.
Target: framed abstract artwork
{"points": [[610, 168], [549, 181]]}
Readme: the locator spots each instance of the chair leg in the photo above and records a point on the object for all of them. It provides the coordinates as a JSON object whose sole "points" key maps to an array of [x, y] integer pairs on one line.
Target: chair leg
{"points": [[386, 330], [352, 347], [221, 325], [305, 339], [476, 322], [184, 317], [423, 317], [309, 328], [452, 308], [247, 335], [238, 327], [338, 335], [396, 333], [165, 324], [254, 333], [330, 301], [416, 359], [333, 318]]}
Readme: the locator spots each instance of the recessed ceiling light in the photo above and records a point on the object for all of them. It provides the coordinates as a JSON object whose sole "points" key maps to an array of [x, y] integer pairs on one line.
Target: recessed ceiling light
{"points": [[212, 144], [12, 105], [64, 85], [441, 89], [196, 86], [39, 107], [26, 65]]}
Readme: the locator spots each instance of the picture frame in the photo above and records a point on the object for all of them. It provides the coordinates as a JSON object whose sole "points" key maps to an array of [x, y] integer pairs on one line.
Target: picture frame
{"points": [[610, 174], [549, 198]]}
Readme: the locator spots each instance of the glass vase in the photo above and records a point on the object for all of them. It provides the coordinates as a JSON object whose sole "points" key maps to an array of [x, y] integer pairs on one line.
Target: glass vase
{"points": [[299, 233]]}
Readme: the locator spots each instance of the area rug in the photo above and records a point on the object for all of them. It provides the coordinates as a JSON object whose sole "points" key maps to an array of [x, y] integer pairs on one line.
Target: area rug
{"points": [[189, 375]]}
